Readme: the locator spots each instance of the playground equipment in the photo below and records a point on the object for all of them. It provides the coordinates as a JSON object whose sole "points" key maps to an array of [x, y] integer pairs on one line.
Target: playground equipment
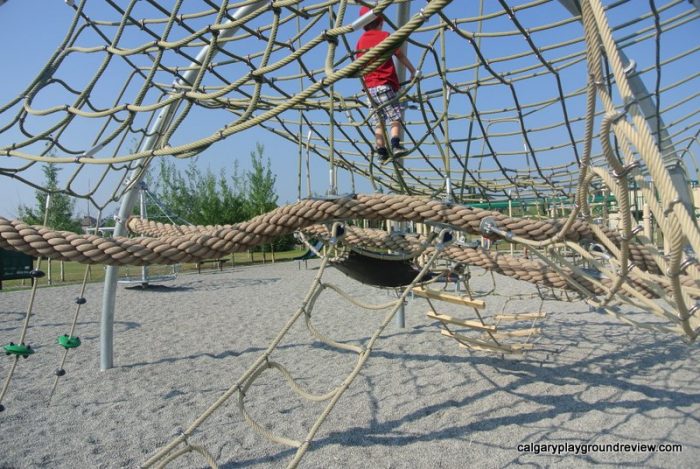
{"points": [[145, 280], [549, 110]]}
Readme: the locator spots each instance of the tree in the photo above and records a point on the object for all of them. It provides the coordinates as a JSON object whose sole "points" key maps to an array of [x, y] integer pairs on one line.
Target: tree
{"points": [[260, 192], [206, 198], [201, 198], [60, 214], [260, 184]]}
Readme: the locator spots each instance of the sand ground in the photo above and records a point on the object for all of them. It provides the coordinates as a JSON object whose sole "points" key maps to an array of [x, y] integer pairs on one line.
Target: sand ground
{"points": [[420, 401]]}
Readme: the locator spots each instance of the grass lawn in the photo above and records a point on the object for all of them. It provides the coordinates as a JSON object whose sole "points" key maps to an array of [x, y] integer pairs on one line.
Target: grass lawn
{"points": [[73, 272]]}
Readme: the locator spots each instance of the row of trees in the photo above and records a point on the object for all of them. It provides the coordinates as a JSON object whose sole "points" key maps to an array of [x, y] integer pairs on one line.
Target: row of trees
{"points": [[205, 198], [196, 196]]}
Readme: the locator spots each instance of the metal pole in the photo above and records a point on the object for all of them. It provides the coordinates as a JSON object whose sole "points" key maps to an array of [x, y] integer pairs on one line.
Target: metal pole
{"points": [[402, 18], [400, 319], [404, 13], [144, 216], [158, 128]]}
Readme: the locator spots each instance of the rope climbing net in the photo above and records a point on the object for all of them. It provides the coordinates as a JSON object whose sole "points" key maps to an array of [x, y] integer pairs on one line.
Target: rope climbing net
{"points": [[561, 108], [577, 110], [180, 445], [500, 111]]}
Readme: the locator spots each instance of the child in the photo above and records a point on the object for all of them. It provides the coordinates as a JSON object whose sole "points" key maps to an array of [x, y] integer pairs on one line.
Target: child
{"points": [[382, 84]]}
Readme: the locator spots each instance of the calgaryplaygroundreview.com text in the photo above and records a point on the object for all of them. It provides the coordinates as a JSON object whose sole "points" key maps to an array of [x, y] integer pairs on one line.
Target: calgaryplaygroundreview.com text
{"points": [[586, 448]]}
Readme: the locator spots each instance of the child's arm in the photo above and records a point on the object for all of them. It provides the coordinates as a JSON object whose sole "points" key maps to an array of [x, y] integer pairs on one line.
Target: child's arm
{"points": [[406, 62]]}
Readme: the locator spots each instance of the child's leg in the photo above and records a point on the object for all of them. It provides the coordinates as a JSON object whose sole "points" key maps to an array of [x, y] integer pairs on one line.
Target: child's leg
{"points": [[396, 146], [379, 141], [379, 135], [395, 129]]}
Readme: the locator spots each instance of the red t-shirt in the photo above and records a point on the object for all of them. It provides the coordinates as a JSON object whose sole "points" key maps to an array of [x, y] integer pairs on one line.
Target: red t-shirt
{"points": [[385, 74]]}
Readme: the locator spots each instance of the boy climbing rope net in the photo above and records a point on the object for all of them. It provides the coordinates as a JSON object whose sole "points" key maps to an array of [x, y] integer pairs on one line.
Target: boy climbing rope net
{"points": [[382, 84]]}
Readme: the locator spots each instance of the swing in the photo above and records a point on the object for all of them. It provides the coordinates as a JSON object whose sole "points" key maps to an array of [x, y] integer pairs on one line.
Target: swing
{"points": [[379, 271]]}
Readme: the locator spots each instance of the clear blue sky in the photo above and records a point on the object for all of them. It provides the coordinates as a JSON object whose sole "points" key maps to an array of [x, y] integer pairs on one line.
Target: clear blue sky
{"points": [[30, 30]]}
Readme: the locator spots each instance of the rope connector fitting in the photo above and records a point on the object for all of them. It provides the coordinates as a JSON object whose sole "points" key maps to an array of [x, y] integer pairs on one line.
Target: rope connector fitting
{"points": [[330, 37], [626, 169], [337, 233], [489, 229], [669, 209], [632, 234], [615, 118], [630, 103], [687, 263], [599, 249], [630, 68], [444, 239]]}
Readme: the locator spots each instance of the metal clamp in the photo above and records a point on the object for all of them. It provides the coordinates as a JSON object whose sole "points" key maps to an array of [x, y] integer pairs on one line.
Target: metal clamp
{"points": [[626, 169], [444, 239], [633, 233], [597, 248], [669, 209], [489, 228], [337, 233], [614, 118], [687, 263]]}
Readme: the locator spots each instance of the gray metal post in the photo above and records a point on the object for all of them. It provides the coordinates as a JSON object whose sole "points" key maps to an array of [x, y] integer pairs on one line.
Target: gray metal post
{"points": [[402, 18], [401, 316], [404, 13], [144, 216], [158, 128]]}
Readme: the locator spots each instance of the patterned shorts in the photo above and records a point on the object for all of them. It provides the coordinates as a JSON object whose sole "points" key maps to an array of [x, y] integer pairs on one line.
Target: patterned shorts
{"points": [[384, 98]]}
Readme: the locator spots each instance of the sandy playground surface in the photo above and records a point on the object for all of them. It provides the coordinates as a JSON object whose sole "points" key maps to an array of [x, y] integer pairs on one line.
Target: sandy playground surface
{"points": [[421, 401]]}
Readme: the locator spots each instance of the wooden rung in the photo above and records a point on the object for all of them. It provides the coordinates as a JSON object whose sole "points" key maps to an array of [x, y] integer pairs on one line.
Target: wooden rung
{"points": [[462, 322], [518, 333], [519, 316], [442, 296], [477, 344]]}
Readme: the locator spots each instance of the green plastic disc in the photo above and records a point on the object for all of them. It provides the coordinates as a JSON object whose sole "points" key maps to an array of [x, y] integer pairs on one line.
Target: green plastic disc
{"points": [[67, 341], [18, 349]]}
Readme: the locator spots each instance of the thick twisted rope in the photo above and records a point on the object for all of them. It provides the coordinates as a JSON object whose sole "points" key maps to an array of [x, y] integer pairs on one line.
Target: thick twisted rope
{"points": [[190, 244], [183, 244], [531, 271]]}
